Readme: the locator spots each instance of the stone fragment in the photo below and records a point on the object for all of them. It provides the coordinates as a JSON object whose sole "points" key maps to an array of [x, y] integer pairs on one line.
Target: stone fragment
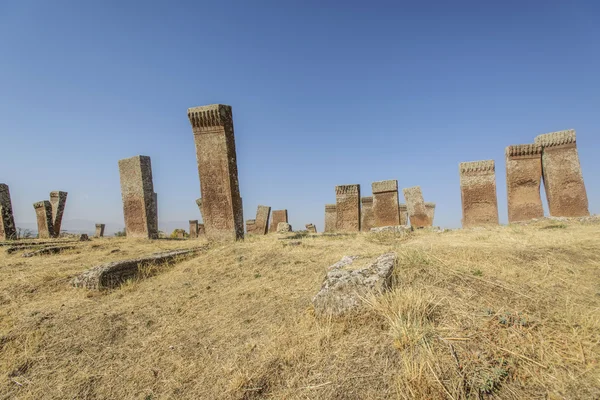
{"points": [[394, 229], [367, 218], [349, 281], [137, 191], [250, 226], [347, 208], [43, 212], [178, 233], [284, 227], [403, 211], [222, 211], [201, 231], [261, 222], [155, 208], [276, 217], [8, 230], [563, 179], [385, 203], [113, 274], [84, 237], [193, 229], [330, 217], [58, 200], [417, 213], [523, 180], [430, 208], [48, 250], [311, 228], [99, 230], [478, 193]]}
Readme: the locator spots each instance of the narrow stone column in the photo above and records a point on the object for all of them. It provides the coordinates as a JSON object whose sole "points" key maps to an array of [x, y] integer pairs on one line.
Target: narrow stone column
{"points": [[367, 219], [478, 193], [58, 200], [193, 229], [563, 179], [403, 210], [523, 180], [217, 167], [385, 203], [430, 207], [330, 217], [417, 212], [277, 216], [261, 226], [347, 199], [43, 213], [99, 230], [137, 191], [8, 231]]}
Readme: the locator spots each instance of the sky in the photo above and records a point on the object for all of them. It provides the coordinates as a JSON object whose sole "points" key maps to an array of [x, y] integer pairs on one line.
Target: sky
{"points": [[324, 93]]}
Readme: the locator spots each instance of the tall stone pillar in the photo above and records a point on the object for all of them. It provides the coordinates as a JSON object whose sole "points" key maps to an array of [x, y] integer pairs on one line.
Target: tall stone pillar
{"points": [[8, 231], [330, 217], [563, 179], [385, 203], [193, 229], [137, 191], [367, 219], [58, 200], [217, 167], [43, 213], [261, 223], [430, 208], [99, 230], [347, 199], [478, 193], [417, 212], [403, 210], [523, 180], [277, 216]]}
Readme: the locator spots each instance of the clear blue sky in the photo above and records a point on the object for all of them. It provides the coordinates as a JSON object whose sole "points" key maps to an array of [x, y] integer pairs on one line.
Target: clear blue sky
{"points": [[323, 93]]}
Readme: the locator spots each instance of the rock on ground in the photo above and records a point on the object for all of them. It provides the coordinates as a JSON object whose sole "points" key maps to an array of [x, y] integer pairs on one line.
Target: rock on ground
{"points": [[284, 227], [392, 228]]}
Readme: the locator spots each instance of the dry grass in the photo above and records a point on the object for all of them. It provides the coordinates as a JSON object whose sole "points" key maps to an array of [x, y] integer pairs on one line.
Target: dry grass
{"points": [[509, 313]]}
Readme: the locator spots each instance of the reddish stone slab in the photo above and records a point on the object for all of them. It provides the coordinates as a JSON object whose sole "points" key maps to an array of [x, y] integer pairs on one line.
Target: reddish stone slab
{"points": [[367, 219], [417, 212], [347, 208], [330, 217], [277, 216], [523, 180], [385, 203], [58, 200], [478, 193], [43, 213]]}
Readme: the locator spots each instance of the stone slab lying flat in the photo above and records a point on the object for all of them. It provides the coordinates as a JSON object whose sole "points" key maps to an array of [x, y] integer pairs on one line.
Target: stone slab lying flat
{"points": [[112, 274], [48, 250], [393, 228]]}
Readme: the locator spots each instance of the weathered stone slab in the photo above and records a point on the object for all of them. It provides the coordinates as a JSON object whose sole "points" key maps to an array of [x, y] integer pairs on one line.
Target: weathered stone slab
{"points": [[217, 167], [201, 231], [478, 193], [523, 180], [154, 220], [84, 237], [58, 200], [347, 208], [99, 230], [417, 212], [43, 213], [330, 217], [284, 227], [250, 226], [349, 281], [563, 179], [193, 229], [178, 233], [403, 211], [430, 208], [8, 231], [113, 274], [137, 191], [277, 216], [261, 223], [394, 229], [367, 218], [385, 203], [48, 250], [311, 228]]}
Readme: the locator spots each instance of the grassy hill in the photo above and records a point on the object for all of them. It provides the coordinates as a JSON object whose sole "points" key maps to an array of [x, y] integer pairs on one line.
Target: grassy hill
{"points": [[508, 312]]}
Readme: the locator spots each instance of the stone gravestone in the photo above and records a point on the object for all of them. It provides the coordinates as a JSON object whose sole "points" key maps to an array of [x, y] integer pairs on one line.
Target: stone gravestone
{"points": [[99, 230], [43, 212], [403, 211], [284, 227], [137, 191], [367, 220], [523, 180], [201, 231], [330, 217], [417, 212], [385, 203], [8, 231], [217, 167], [311, 228], [261, 223], [430, 207], [563, 179], [347, 208], [478, 193], [277, 216], [193, 228], [250, 226], [58, 200]]}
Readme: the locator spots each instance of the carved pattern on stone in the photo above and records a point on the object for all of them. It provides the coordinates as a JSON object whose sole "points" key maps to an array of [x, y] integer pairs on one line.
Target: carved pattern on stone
{"points": [[478, 193]]}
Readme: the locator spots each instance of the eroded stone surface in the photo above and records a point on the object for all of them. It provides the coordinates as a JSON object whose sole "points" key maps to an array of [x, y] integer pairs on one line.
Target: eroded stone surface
{"points": [[193, 228], [8, 231], [201, 231], [250, 226], [222, 211], [367, 218], [349, 280], [478, 193], [43, 213], [311, 228], [430, 208], [523, 180], [284, 227], [261, 222], [403, 211], [347, 208], [385, 203], [563, 179], [99, 230], [48, 250], [393, 228], [415, 205], [277, 216], [58, 201], [330, 217]]}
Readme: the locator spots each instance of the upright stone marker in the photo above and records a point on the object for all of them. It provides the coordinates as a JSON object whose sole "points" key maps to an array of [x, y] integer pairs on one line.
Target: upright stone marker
{"points": [[277, 217], [330, 217], [478, 193], [523, 180], [43, 213], [99, 230], [261, 225], [347, 208], [58, 200], [563, 179], [367, 219], [403, 211], [201, 231], [217, 167], [385, 203], [193, 229], [417, 212], [311, 228], [8, 231], [430, 207], [250, 226], [137, 191]]}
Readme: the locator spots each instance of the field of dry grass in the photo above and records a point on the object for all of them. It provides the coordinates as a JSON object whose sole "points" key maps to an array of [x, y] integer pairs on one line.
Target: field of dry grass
{"points": [[508, 313]]}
